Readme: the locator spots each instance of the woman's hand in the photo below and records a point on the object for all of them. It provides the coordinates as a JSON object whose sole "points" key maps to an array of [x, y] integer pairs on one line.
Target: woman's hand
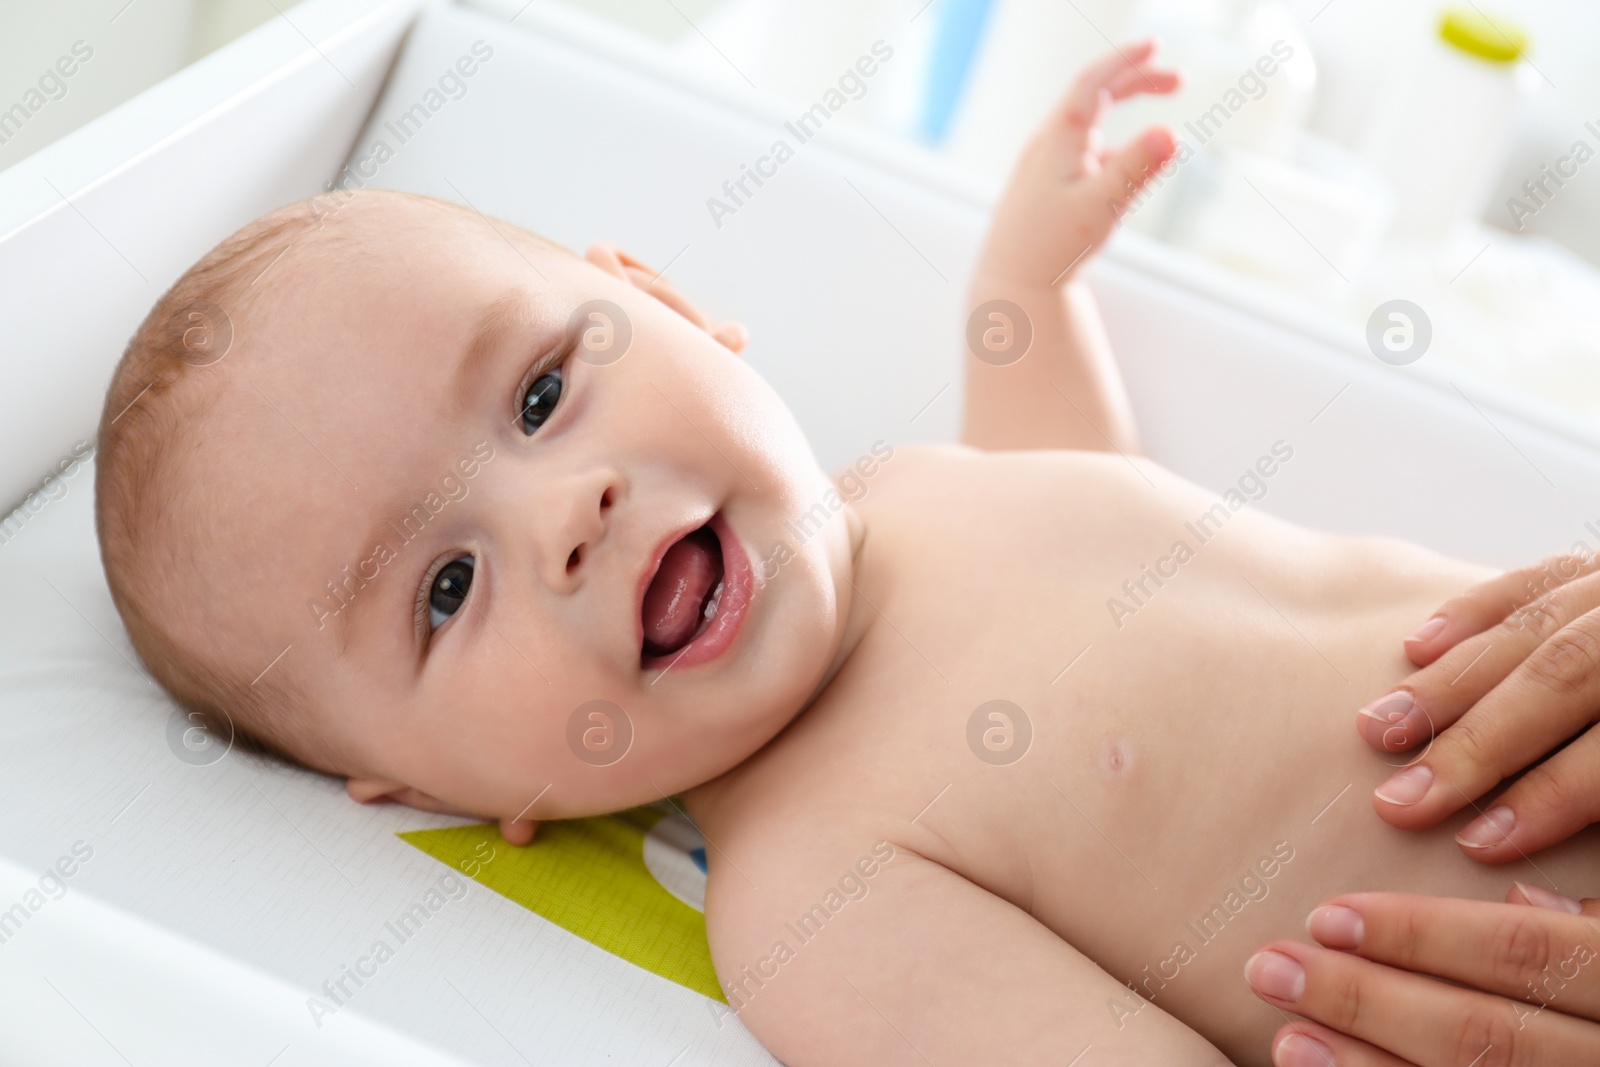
{"points": [[1511, 672], [1532, 975]]}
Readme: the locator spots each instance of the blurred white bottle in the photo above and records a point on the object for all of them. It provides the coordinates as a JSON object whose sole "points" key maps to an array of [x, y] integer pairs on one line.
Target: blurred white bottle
{"points": [[1249, 75], [1030, 53], [1443, 138], [799, 52], [1249, 83]]}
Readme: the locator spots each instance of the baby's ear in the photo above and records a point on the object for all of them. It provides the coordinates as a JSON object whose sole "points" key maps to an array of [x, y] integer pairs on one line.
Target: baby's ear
{"points": [[611, 259], [369, 790]]}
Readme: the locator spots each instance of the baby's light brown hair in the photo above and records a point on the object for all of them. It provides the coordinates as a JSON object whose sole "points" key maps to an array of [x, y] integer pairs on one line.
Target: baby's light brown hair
{"points": [[170, 375], [168, 378]]}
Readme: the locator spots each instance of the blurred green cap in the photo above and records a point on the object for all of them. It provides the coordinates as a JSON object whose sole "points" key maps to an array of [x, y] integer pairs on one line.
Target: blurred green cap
{"points": [[1497, 40]]}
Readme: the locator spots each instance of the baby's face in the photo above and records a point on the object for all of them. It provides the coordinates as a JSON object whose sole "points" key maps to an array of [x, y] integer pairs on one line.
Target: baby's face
{"points": [[492, 564]]}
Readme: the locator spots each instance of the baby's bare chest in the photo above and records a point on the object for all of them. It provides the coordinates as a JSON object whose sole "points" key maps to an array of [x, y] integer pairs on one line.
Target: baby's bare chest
{"points": [[1133, 724], [1093, 695]]}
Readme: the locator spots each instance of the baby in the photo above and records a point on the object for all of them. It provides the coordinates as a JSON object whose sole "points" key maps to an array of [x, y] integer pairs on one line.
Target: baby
{"points": [[1012, 758]]}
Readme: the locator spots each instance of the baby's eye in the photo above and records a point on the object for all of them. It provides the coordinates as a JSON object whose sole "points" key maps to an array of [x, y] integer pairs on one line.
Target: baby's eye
{"points": [[540, 400], [448, 591]]}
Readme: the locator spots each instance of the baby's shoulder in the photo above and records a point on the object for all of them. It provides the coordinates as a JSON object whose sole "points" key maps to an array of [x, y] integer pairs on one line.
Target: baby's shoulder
{"points": [[808, 803], [785, 864], [889, 471], [941, 466], [889, 462]]}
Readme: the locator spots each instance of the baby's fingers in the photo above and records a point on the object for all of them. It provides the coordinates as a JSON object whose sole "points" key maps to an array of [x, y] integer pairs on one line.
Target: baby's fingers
{"points": [[518, 831], [1117, 75], [1125, 172], [1104, 71], [1130, 81]]}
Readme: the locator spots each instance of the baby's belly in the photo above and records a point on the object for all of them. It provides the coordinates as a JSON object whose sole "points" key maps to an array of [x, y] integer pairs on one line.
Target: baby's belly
{"points": [[1206, 788], [1183, 779]]}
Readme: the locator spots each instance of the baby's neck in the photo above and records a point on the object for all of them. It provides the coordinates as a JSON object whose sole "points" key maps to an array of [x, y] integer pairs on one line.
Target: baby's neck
{"points": [[703, 800]]}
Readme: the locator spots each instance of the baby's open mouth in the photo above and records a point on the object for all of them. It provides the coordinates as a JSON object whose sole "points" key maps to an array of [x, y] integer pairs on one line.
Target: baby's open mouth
{"points": [[685, 593]]}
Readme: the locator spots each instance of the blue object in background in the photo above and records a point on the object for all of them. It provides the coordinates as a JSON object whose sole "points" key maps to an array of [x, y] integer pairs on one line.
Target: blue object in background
{"points": [[955, 43]]}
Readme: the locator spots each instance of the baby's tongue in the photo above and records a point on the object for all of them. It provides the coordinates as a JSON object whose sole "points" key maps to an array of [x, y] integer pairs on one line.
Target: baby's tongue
{"points": [[677, 594]]}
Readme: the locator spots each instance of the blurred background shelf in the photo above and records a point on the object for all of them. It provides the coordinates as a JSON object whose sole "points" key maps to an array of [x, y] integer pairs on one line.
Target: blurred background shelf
{"points": [[1393, 151]]}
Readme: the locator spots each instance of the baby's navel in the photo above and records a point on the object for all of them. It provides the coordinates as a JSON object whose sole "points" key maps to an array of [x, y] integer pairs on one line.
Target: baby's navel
{"points": [[1115, 757]]}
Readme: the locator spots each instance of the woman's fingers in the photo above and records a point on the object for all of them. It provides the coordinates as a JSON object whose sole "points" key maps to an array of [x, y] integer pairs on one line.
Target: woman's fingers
{"points": [[1548, 698], [1440, 693], [1543, 955], [1307, 1044], [1418, 1019], [1536, 897], [1544, 807], [1488, 602]]}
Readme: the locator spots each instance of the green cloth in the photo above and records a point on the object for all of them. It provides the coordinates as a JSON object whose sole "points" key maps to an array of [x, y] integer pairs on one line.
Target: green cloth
{"points": [[588, 876]]}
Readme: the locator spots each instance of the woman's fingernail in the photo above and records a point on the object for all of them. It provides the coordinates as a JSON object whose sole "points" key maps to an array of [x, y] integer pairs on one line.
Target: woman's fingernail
{"points": [[1298, 1050], [1413, 727], [1490, 828], [1336, 926], [1391, 707], [1393, 721], [1543, 898], [1430, 629], [1407, 787], [1272, 974]]}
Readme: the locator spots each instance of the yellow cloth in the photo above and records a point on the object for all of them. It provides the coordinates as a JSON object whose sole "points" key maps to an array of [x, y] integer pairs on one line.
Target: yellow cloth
{"points": [[588, 876]]}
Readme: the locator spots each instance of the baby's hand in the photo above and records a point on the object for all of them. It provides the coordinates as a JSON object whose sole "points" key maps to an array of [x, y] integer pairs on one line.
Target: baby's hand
{"points": [[1068, 190]]}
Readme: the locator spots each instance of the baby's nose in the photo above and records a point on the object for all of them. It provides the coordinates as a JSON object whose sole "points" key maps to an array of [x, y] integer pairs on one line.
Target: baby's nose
{"points": [[577, 513]]}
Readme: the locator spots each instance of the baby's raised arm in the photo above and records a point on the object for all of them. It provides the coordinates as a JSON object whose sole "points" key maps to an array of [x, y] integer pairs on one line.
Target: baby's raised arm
{"points": [[1062, 203]]}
